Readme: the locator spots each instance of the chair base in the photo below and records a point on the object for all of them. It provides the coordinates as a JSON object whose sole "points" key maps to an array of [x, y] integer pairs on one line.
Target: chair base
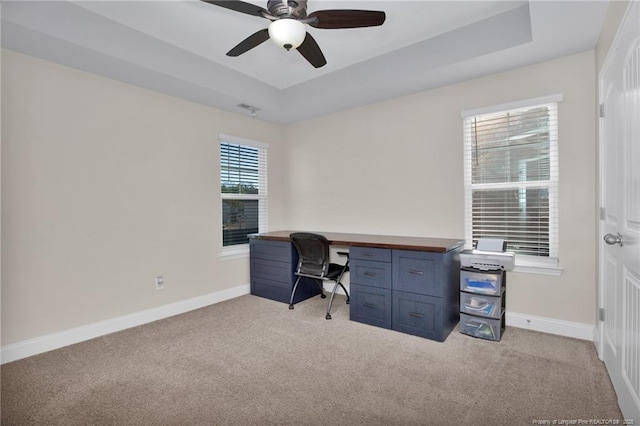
{"points": [[322, 295]]}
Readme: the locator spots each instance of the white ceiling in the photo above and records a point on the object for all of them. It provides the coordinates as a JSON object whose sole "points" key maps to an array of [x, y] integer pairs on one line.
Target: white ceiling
{"points": [[178, 47]]}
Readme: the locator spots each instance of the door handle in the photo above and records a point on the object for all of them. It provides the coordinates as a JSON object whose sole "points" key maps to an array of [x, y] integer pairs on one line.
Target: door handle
{"points": [[613, 239]]}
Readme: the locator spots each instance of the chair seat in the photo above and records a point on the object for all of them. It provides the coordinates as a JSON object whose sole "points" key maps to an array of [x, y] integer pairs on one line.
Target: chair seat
{"points": [[335, 270]]}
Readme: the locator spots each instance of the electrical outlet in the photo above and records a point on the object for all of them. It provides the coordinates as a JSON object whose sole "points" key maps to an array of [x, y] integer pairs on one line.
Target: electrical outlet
{"points": [[159, 282]]}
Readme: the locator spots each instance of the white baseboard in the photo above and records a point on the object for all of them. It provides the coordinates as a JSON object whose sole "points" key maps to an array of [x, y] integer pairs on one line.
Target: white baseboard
{"points": [[38, 345], [552, 326]]}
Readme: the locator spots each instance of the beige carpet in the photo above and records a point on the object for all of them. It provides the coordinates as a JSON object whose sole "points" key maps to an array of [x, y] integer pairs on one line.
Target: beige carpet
{"points": [[252, 361]]}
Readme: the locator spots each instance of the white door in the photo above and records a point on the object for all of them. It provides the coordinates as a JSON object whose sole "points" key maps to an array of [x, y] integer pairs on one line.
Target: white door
{"points": [[620, 218]]}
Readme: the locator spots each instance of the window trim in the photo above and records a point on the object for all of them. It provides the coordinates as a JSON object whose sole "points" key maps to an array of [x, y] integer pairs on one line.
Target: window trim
{"points": [[524, 263], [242, 250]]}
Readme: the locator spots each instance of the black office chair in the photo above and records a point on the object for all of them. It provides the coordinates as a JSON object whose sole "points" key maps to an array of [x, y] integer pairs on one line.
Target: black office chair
{"points": [[313, 262]]}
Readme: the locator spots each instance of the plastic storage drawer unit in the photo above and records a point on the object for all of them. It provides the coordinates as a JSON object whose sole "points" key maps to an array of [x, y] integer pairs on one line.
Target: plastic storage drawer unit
{"points": [[482, 303], [484, 328]]}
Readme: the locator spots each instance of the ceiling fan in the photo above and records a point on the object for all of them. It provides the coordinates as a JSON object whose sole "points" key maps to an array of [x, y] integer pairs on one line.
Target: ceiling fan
{"points": [[287, 28]]}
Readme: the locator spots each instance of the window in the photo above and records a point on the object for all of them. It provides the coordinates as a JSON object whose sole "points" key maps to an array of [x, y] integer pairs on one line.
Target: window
{"points": [[511, 178], [243, 186]]}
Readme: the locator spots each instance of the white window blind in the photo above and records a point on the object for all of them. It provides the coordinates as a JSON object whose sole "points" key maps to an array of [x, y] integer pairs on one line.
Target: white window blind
{"points": [[243, 187], [511, 177]]}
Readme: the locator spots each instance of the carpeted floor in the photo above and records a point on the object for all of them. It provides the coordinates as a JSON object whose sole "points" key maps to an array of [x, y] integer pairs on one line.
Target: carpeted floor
{"points": [[252, 361]]}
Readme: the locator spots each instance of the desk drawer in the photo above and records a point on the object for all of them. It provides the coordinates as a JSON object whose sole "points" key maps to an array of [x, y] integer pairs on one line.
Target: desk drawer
{"points": [[418, 272], [280, 251], [370, 305], [273, 290], [417, 314], [281, 292], [367, 253], [375, 274], [272, 271]]}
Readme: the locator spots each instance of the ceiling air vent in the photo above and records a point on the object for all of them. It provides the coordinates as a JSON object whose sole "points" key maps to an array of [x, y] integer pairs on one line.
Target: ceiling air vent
{"points": [[252, 110]]}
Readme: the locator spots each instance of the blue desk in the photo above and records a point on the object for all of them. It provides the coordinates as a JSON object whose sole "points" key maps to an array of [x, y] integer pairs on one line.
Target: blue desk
{"points": [[407, 284]]}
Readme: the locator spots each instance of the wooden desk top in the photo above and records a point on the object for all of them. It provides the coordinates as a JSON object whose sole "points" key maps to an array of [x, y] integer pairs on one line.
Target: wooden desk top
{"points": [[437, 245]]}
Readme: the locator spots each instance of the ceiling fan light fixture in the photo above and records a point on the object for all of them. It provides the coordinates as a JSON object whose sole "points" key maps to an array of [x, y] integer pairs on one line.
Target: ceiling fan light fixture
{"points": [[288, 33]]}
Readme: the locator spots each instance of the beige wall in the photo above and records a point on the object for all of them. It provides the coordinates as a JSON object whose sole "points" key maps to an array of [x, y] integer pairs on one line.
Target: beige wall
{"points": [[396, 167], [104, 186]]}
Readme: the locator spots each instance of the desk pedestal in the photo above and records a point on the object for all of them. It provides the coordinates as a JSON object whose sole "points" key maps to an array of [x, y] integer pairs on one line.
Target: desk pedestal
{"points": [[272, 272], [414, 292]]}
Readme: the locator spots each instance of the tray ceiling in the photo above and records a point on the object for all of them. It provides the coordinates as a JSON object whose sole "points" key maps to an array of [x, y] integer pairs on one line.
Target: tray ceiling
{"points": [[178, 48]]}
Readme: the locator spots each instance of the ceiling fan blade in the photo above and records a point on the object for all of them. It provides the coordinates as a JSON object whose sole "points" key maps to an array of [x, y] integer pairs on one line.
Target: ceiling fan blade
{"points": [[311, 52], [250, 42], [335, 19], [240, 6]]}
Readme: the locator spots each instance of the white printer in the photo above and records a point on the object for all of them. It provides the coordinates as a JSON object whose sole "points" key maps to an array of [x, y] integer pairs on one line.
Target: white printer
{"points": [[488, 255]]}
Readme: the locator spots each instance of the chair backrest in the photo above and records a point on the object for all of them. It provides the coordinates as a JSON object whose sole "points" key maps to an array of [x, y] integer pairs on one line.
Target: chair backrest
{"points": [[313, 253]]}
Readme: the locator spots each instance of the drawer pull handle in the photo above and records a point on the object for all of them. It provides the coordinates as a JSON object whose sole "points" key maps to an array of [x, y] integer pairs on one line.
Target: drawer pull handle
{"points": [[369, 305], [369, 254], [369, 274], [416, 272], [413, 314]]}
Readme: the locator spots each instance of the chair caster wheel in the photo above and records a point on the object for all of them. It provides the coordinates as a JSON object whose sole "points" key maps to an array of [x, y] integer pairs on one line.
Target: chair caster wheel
{"points": [[323, 296], [290, 306], [328, 316]]}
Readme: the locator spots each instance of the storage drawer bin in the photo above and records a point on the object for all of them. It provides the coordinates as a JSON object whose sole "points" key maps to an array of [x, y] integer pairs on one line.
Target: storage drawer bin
{"points": [[481, 305], [481, 282], [484, 328]]}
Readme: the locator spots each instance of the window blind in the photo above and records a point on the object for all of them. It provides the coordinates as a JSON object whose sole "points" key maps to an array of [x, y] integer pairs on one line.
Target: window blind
{"points": [[239, 169], [243, 185], [511, 178]]}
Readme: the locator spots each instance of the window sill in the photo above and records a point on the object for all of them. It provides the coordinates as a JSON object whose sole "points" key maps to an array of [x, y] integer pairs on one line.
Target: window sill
{"points": [[539, 267], [235, 252]]}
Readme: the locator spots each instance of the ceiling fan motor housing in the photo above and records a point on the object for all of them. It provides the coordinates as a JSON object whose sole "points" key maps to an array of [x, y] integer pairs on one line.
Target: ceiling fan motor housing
{"points": [[291, 8]]}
